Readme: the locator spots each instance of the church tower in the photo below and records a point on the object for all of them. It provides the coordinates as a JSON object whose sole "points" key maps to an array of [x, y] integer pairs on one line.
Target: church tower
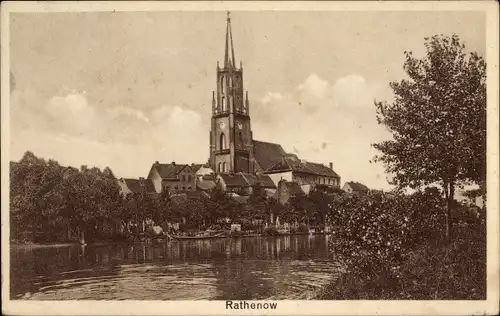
{"points": [[231, 144]]}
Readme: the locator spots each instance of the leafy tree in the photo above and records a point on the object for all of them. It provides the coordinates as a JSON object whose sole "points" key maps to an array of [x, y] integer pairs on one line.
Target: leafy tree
{"points": [[438, 120]]}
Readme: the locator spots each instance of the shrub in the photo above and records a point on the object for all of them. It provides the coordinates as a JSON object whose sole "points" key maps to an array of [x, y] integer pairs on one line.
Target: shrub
{"points": [[392, 248]]}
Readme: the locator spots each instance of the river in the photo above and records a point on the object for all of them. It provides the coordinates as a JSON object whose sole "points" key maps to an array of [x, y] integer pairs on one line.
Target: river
{"points": [[285, 267]]}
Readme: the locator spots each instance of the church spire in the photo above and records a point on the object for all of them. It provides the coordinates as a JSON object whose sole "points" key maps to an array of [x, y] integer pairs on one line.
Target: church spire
{"points": [[229, 53]]}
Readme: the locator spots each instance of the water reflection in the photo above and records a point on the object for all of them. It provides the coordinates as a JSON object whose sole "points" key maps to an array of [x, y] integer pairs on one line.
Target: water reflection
{"points": [[244, 268]]}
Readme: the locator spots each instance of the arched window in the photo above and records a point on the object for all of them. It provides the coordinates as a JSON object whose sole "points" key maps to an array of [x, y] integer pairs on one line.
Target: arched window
{"points": [[224, 169], [220, 167], [222, 142], [222, 84], [230, 82], [223, 104]]}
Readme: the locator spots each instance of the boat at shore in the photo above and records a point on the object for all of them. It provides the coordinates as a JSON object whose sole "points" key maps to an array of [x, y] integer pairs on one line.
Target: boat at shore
{"points": [[201, 236]]}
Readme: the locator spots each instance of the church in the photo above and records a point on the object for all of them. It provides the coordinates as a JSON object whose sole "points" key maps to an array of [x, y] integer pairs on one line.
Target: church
{"points": [[232, 147], [237, 161]]}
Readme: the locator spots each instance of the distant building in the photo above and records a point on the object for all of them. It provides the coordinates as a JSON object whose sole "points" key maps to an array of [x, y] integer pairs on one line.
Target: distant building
{"points": [[232, 147], [173, 177], [303, 172], [201, 170], [286, 190], [355, 187], [136, 186], [205, 183], [244, 183]]}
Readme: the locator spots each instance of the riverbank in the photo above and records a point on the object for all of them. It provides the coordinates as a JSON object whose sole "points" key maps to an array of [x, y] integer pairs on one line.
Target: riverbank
{"points": [[31, 245], [456, 271]]}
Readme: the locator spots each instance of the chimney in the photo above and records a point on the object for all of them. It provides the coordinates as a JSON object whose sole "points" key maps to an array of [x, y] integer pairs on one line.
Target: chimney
{"points": [[156, 162], [173, 163], [141, 181], [331, 165]]}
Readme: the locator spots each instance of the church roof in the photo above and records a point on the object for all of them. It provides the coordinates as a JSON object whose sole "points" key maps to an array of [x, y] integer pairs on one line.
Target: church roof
{"points": [[267, 154], [135, 186]]}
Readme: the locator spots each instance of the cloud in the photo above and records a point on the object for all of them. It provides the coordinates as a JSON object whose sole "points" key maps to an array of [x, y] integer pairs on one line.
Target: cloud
{"points": [[71, 129], [326, 122], [322, 121], [315, 86], [121, 111]]}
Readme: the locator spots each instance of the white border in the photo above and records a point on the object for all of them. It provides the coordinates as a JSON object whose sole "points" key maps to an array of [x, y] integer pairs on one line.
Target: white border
{"points": [[489, 307]]}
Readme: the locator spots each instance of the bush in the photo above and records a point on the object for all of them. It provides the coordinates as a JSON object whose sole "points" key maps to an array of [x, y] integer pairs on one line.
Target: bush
{"points": [[393, 248]]}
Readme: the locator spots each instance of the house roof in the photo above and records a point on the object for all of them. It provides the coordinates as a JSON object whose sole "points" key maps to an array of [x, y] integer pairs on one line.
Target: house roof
{"points": [[195, 166], [267, 154], [209, 177], [134, 185], [270, 192], [292, 187], [291, 162], [168, 170], [205, 185], [358, 187], [250, 178], [234, 180], [238, 198], [266, 181]]}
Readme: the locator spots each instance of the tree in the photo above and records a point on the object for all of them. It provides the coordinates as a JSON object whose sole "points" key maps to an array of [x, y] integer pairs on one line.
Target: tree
{"points": [[437, 120]]}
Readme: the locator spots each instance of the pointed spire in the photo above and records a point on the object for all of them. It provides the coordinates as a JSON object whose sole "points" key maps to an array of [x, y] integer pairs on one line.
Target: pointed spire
{"points": [[229, 59]]}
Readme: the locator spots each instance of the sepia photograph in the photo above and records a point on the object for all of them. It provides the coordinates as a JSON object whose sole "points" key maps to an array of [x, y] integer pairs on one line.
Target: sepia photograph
{"points": [[249, 155]]}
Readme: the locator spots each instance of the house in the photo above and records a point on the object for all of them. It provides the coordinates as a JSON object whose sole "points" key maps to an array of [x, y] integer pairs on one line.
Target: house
{"points": [[205, 183], [172, 176], [233, 183], [286, 190], [303, 172], [355, 187], [201, 170], [136, 186], [244, 183]]}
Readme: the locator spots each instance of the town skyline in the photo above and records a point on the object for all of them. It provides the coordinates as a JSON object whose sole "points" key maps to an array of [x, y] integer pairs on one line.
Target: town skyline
{"points": [[144, 94]]}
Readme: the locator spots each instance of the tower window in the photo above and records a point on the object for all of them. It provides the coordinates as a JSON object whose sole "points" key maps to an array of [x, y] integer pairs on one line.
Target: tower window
{"points": [[230, 82], [220, 166], [223, 101], [224, 168], [223, 144], [222, 84]]}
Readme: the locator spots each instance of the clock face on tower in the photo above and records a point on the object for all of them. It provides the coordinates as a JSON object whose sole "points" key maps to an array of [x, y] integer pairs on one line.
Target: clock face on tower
{"points": [[240, 126], [222, 125]]}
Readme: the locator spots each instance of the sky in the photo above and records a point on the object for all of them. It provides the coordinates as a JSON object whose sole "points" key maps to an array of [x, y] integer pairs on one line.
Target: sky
{"points": [[125, 89]]}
